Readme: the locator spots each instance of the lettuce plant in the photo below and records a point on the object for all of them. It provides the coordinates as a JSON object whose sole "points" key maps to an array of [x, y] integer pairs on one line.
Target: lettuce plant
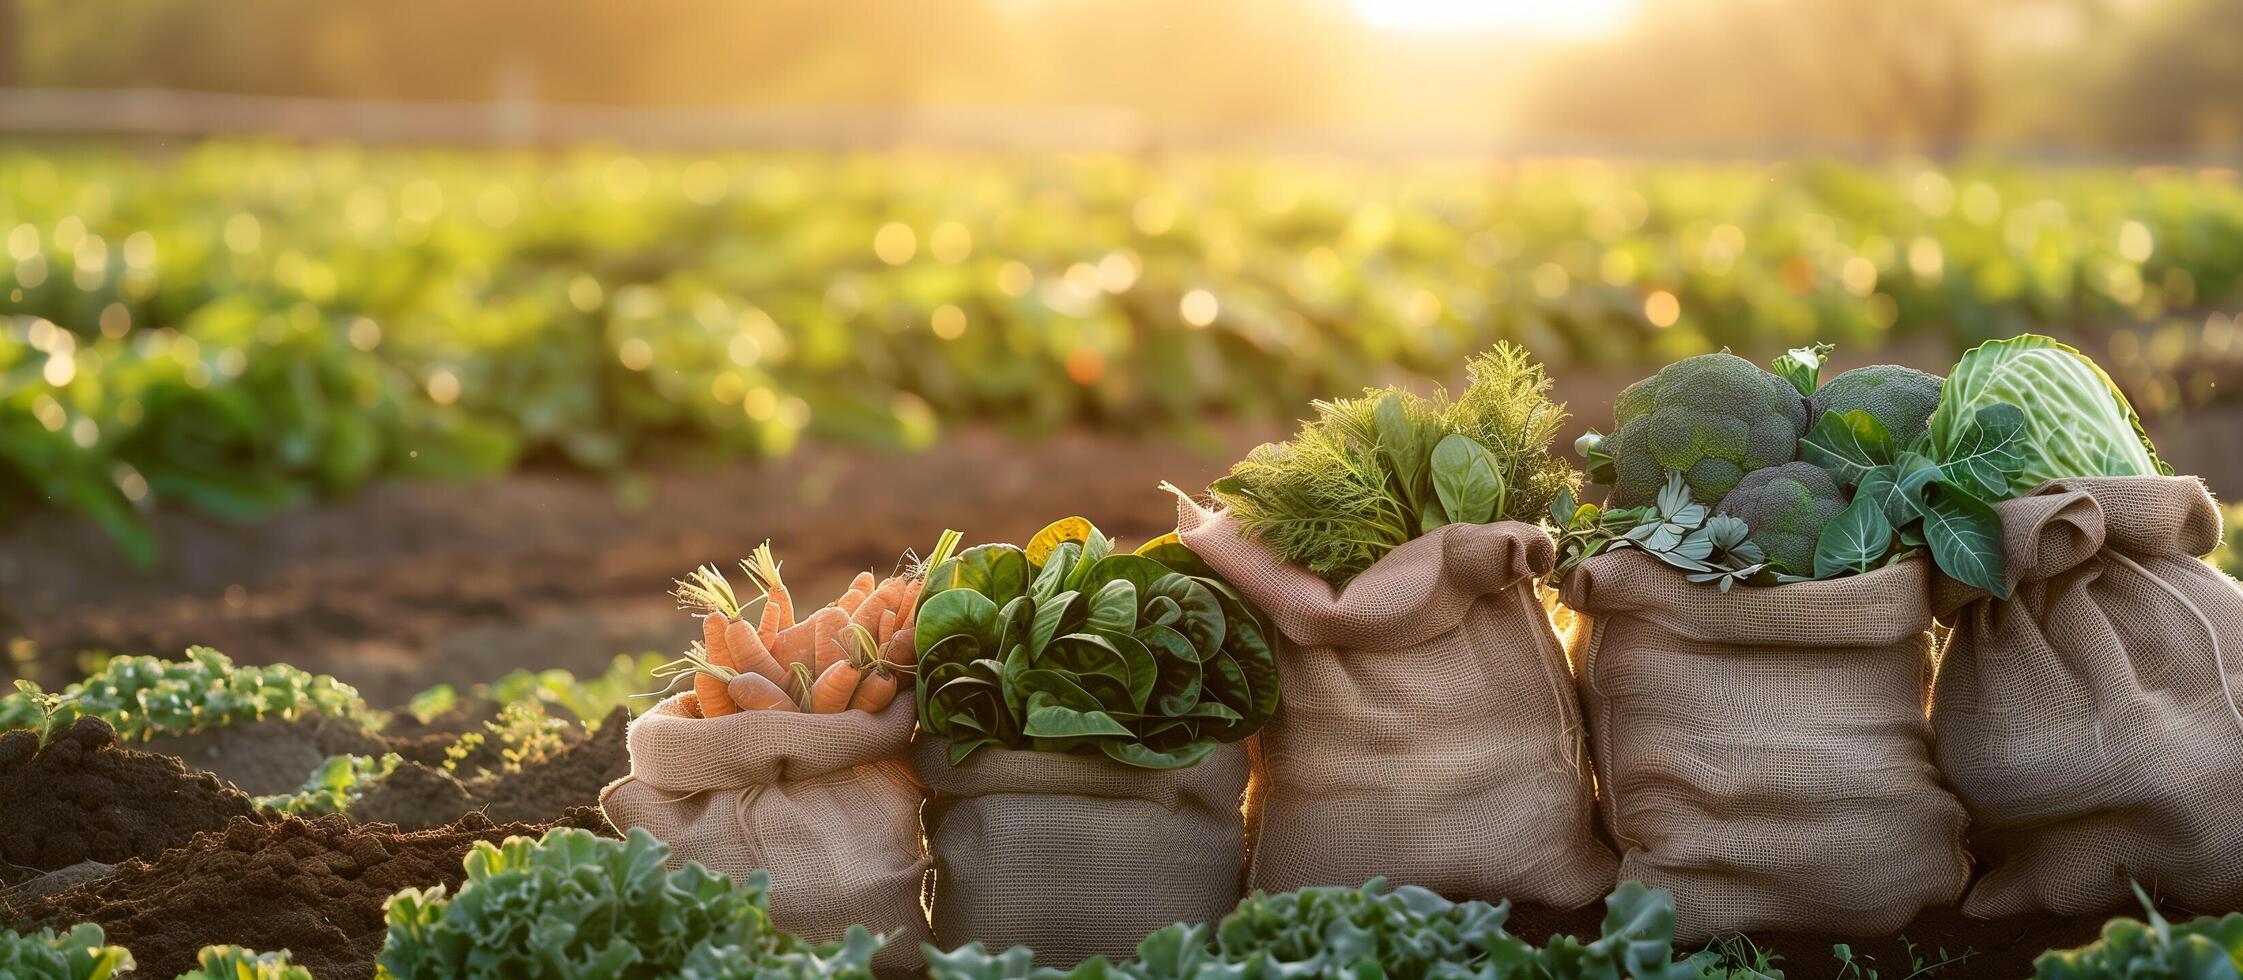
{"points": [[236, 963], [573, 905], [2208, 948], [143, 697], [79, 954], [1407, 933], [1067, 646]]}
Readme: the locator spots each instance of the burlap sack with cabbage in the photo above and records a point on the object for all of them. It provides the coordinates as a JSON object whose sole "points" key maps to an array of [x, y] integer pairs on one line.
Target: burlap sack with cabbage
{"points": [[1078, 855], [1428, 729], [825, 802], [1765, 751], [2090, 721]]}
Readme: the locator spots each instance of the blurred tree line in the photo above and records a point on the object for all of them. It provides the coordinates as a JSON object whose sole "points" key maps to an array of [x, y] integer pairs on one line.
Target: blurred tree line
{"points": [[1925, 74]]}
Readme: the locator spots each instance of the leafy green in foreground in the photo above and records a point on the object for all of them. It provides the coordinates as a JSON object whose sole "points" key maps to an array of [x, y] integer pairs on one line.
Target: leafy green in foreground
{"points": [[573, 904], [79, 954], [335, 785], [143, 697], [236, 963], [1407, 933], [2207, 948]]}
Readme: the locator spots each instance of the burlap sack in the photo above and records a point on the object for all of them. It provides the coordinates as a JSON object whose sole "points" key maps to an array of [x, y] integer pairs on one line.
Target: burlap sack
{"points": [[1077, 855], [1765, 752], [825, 803], [2090, 721], [1428, 729]]}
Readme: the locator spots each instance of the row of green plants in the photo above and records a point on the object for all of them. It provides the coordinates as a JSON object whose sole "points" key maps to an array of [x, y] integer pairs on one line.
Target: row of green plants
{"points": [[237, 327], [575, 906]]}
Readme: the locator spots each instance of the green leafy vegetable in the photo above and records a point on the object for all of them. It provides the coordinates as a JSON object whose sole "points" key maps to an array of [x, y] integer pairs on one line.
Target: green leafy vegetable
{"points": [[572, 904], [79, 954], [1370, 473], [1407, 933], [142, 697], [1847, 445], [1857, 540], [2206, 948], [236, 963], [1067, 646], [1712, 548], [2075, 422], [335, 785]]}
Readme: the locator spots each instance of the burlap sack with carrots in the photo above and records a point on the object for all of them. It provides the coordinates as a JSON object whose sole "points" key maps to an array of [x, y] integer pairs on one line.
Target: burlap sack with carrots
{"points": [[2090, 721], [1078, 855], [824, 802], [1765, 752], [1429, 730]]}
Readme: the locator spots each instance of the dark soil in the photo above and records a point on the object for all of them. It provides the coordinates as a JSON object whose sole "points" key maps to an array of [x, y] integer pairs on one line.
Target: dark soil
{"points": [[86, 798], [406, 585], [271, 756], [1998, 949], [313, 887], [419, 795]]}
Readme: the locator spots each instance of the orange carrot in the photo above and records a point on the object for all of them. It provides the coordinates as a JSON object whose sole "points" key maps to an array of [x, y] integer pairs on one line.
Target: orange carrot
{"points": [[798, 684], [755, 692], [887, 627], [831, 692], [708, 689], [859, 589], [868, 612], [901, 649], [778, 603], [874, 692], [910, 603], [826, 627], [749, 655], [713, 639]]}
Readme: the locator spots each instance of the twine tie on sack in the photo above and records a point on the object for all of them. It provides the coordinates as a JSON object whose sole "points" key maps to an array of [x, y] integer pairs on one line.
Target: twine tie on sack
{"points": [[2219, 652]]}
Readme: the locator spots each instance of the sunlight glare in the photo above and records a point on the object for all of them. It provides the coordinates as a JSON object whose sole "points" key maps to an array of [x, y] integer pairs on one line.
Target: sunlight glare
{"points": [[1572, 18]]}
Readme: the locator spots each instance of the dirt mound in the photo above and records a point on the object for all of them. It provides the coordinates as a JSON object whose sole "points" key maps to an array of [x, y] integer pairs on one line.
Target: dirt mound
{"points": [[86, 798], [271, 756], [314, 887], [418, 795]]}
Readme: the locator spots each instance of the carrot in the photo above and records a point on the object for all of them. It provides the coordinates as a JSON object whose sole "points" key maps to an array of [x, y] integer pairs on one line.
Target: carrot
{"points": [[902, 649], [833, 688], [798, 684], [860, 588], [887, 628], [874, 692], [826, 647], [706, 590], [778, 603], [749, 655], [713, 639], [755, 692], [710, 699], [868, 612], [910, 603]]}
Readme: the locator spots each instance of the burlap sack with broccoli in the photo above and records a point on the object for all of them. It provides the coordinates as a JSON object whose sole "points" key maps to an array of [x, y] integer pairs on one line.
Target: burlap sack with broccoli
{"points": [[1430, 733], [2091, 719], [1081, 709], [1751, 622], [789, 756]]}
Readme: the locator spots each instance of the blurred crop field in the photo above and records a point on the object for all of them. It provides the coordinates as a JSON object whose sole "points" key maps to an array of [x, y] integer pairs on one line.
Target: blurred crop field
{"points": [[240, 327]]}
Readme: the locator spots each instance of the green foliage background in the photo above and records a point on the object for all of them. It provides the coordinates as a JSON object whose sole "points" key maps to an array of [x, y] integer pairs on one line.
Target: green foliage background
{"points": [[241, 326]]}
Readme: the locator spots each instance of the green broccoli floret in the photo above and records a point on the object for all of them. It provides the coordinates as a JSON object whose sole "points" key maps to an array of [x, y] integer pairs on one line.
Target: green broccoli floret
{"points": [[1714, 417], [1786, 506], [1900, 397]]}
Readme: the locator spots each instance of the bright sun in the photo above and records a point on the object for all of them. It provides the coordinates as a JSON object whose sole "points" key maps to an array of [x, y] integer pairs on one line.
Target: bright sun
{"points": [[1557, 18]]}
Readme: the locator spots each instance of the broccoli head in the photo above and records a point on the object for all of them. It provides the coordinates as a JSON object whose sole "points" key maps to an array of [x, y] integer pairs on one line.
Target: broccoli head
{"points": [[1786, 506], [1714, 418], [1902, 398]]}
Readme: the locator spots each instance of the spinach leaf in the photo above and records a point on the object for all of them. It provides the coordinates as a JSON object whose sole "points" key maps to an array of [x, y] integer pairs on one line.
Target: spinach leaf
{"points": [[1965, 535], [1854, 541], [1467, 481], [1848, 445], [1124, 655]]}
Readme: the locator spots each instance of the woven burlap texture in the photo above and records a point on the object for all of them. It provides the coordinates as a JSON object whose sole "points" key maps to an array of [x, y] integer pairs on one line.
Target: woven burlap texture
{"points": [[824, 802], [1078, 855], [2089, 721], [1765, 751], [1428, 731]]}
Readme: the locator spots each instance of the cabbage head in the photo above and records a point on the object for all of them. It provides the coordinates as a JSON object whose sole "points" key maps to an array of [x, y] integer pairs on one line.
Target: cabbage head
{"points": [[2077, 423]]}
